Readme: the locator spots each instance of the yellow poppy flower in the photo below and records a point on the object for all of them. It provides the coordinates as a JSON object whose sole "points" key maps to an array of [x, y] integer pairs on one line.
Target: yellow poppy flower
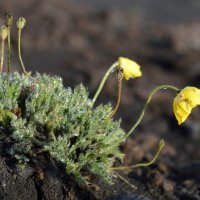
{"points": [[130, 68], [184, 102]]}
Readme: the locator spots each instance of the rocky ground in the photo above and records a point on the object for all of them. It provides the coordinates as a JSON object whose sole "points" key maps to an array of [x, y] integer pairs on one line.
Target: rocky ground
{"points": [[79, 43]]}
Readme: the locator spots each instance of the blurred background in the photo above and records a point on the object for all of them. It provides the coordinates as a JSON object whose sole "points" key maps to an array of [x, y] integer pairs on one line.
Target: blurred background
{"points": [[78, 40]]}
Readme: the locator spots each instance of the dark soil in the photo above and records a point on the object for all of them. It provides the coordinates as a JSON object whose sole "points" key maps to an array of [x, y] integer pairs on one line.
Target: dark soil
{"points": [[79, 44]]}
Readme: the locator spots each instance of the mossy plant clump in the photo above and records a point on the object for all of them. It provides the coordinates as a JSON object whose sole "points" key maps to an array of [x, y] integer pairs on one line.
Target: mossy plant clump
{"points": [[43, 115]]}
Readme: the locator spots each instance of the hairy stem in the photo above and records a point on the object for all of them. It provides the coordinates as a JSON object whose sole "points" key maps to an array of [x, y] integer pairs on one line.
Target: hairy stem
{"points": [[19, 51], [110, 70], [2, 55], [160, 147], [20, 56], [120, 78], [146, 105], [9, 49]]}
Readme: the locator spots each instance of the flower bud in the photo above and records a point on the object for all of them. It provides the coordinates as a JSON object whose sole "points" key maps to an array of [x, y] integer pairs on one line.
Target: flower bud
{"points": [[21, 22], [187, 99], [161, 144], [130, 68], [8, 19], [4, 32]]}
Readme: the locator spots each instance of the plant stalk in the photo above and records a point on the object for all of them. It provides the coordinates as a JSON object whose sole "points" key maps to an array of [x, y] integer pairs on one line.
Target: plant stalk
{"points": [[9, 49], [120, 78], [2, 55], [160, 147], [146, 105], [19, 51], [110, 70]]}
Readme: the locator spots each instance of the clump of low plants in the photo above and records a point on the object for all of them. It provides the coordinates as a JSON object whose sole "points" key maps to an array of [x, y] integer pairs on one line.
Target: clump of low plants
{"points": [[38, 114], [44, 115]]}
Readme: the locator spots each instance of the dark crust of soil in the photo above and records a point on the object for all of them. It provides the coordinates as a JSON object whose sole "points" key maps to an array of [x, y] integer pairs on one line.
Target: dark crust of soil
{"points": [[46, 179], [36, 182], [78, 44]]}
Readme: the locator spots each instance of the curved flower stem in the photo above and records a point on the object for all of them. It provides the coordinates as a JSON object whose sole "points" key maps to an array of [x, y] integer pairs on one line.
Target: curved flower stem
{"points": [[19, 51], [20, 56], [2, 55], [160, 147], [120, 78], [110, 70], [146, 105], [8, 19], [9, 49]]}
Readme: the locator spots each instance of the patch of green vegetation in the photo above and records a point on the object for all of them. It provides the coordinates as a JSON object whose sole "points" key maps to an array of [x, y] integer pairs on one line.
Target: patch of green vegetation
{"points": [[38, 115], [62, 121]]}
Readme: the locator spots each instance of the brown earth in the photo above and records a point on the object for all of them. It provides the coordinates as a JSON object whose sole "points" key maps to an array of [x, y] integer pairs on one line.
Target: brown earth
{"points": [[79, 44]]}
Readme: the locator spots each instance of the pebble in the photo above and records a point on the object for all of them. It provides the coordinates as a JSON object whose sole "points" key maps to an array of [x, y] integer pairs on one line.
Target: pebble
{"points": [[168, 186]]}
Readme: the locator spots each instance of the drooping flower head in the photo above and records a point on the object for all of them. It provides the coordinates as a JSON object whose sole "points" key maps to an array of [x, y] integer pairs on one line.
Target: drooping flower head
{"points": [[130, 68], [184, 102]]}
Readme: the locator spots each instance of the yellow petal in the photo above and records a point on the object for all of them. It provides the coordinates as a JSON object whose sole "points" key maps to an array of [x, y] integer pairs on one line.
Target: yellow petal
{"points": [[181, 110], [184, 102], [130, 68]]}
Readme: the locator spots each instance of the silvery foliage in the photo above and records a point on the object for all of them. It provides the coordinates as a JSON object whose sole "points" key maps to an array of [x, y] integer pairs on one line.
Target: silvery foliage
{"points": [[41, 114]]}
